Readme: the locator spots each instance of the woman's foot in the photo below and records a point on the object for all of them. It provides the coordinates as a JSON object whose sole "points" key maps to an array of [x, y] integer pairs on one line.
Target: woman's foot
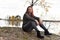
{"points": [[40, 37], [48, 33]]}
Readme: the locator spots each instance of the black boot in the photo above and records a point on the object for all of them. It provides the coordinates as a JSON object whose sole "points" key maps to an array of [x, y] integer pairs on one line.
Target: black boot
{"points": [[39, 35], [47, 32]]}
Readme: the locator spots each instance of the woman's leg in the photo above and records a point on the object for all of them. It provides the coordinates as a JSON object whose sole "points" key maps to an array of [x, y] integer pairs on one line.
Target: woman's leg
{"points": [[27, 27], [43, 27], [34, 27], [30, 26]]}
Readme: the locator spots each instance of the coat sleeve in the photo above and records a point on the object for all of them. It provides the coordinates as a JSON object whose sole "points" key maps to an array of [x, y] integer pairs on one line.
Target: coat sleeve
{"points": [[29, 17], [37, 18]]}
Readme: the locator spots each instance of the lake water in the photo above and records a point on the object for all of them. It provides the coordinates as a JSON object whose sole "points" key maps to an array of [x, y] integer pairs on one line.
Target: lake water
{"points": [[54, 27]]}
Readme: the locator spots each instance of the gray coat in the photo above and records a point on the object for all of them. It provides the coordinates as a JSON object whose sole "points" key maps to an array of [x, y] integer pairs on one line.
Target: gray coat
{"points": [[26, 19]]}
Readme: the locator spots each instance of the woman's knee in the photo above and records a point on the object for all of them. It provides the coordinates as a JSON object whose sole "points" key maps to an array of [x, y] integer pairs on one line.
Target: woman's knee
{"points": [[39, 20], [33, 23]]}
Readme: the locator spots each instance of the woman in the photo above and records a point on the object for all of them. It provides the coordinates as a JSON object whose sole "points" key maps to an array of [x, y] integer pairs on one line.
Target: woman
{"points": [[30, 22]]}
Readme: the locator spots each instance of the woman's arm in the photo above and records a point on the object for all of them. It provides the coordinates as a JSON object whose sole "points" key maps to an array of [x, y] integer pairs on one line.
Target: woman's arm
{"points": [[37, 18], [29, 17]]}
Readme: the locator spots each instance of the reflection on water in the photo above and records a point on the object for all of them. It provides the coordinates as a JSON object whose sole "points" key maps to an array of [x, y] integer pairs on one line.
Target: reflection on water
{"points": [[6, 24]]}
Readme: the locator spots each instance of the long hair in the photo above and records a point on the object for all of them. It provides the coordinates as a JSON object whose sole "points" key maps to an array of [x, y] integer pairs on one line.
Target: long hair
{"points": [[28, 9]]}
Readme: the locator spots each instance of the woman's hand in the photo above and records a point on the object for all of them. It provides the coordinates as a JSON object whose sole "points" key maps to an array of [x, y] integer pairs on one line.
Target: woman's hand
{"points": [[37, 22]]}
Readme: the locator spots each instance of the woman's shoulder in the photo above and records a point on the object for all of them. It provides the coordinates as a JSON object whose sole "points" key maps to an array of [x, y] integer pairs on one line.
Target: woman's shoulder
{"points": [[24, 15]]}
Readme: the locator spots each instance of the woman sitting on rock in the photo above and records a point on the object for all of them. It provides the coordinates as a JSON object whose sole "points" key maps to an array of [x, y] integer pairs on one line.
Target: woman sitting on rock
{"points": [[30, 22]]}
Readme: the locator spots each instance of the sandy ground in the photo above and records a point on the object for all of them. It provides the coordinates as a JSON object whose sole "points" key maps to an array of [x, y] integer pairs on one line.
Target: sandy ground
{"points": [[15, 33]]}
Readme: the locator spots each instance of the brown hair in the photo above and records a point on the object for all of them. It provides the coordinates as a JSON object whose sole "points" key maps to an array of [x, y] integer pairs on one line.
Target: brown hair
{"points": [[28, 9]]}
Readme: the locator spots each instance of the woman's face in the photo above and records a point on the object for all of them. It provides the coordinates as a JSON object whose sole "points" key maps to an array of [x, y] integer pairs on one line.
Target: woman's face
{"points": [[30, 9]]}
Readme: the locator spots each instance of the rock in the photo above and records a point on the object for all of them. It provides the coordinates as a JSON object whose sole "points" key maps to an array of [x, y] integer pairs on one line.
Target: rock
{"points": [[15, 33]]}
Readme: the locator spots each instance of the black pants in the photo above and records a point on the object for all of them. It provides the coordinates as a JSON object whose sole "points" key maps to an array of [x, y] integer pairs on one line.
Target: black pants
{"points": [[32, 25]]}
